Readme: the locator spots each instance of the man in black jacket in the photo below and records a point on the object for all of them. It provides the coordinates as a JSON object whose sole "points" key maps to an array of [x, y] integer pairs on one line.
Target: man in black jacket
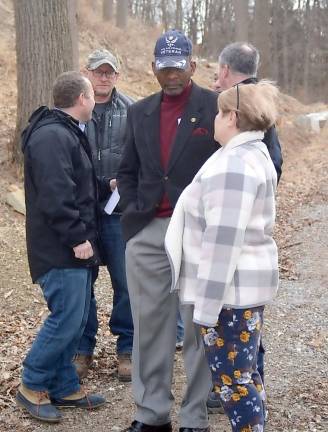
{"points": [[238, 64], [169, 137], [61, 235], [105, 132]]}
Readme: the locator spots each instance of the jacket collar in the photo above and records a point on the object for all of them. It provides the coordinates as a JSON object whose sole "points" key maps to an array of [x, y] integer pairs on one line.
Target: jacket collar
{"points": [[155, 101], [243, 138], [189, 121], [250, 80], [238, 140]]}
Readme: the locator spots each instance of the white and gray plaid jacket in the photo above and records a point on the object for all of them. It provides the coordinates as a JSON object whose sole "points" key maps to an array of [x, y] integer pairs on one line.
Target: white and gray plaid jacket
{"points": [[219, 241]]}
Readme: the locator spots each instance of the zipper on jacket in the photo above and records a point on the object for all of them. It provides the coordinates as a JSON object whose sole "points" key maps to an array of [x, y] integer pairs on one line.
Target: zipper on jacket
{"points": [[98, 135]]}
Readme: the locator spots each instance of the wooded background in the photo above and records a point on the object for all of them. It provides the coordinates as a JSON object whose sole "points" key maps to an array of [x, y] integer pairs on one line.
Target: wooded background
{"points": [[290, 34]]}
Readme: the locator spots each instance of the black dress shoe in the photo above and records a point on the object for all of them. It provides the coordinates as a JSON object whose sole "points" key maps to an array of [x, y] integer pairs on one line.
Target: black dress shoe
{"points": [[207, 429], [213, 403], [137, 426]]}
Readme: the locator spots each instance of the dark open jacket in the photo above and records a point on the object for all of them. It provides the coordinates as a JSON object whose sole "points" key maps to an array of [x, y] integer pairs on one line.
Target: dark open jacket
{"points": [[141, 178], [60, 192], [106, 137], [270, 140]]}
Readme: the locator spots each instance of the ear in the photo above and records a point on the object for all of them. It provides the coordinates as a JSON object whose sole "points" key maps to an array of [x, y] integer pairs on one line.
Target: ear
{"points": [[226, 71], [84, 71], [81, 100], [192, 66], [232, 118], [153, 68]]}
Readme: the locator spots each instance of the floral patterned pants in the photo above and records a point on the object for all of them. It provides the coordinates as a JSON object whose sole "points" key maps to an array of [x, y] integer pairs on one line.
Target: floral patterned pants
{"points": [[231, 350]]}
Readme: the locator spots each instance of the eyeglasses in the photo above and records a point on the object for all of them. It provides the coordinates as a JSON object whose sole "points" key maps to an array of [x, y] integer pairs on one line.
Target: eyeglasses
{"points": [[108, 74], [237, 88]]}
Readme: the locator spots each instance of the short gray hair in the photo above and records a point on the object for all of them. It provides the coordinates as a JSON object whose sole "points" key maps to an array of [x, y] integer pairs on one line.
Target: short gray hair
{"points": [[241, 57]]}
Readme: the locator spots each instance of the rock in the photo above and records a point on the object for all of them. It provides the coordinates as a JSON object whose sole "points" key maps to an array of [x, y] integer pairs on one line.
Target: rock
{"points": [[313, 121], [16, 199]]}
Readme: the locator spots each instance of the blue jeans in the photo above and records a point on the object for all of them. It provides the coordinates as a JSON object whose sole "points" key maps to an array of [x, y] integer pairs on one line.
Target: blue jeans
{"points": [[120, 322], [48, 365]]}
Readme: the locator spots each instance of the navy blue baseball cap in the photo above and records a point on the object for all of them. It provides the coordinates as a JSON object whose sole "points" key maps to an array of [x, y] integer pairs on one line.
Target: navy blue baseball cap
{"points": [[172, 49]]}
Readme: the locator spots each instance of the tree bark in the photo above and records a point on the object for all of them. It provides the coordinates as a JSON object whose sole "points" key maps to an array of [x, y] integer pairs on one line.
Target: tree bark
{"points": [[44, 49], [122, 13], [285, 53], [262, 34], [108, 10], [178, 15], [307, 50], [164, 14], [275, 41], [193, 23], [241, 20]]}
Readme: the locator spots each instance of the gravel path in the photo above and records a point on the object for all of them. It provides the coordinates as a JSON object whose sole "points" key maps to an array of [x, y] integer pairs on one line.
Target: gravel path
{"points": [[296, 332]]}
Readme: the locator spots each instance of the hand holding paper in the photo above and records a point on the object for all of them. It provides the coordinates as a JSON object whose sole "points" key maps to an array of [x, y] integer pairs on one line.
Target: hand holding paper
{"points": [[112, 202]]}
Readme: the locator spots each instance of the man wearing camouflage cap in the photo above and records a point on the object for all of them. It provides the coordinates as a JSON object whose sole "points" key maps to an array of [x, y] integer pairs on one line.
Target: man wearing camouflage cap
{"points": [[105, 132]]}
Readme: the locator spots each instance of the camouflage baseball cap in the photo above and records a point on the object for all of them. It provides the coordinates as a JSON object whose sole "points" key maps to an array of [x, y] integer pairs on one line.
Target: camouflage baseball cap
{"points": [[100, 57]]}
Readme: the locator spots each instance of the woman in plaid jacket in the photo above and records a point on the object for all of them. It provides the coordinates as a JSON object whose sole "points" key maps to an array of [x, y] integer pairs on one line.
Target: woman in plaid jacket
{"points": [[224, 260]]}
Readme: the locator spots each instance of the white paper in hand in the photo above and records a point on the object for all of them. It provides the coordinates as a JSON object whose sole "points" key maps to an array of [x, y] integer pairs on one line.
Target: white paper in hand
{"points": [[112, 202]]}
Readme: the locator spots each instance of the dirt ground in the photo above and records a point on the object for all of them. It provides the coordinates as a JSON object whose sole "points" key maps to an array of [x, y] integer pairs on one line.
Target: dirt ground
{"points": [[296, 331]]}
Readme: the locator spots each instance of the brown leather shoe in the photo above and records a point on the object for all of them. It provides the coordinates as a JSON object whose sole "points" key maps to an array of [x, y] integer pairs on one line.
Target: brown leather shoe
{"points": [[83, 363], [124, 367]]}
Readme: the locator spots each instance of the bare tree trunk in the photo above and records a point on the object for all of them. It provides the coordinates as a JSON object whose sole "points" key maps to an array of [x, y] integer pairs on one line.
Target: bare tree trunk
{"points": [[164, 14], [122, 13], [178, 15], [108, 10], [275, 42], [193, 23], [44, 49], [307, 51], [241, 15], [285, 47], [74, 33], [262, 35]]}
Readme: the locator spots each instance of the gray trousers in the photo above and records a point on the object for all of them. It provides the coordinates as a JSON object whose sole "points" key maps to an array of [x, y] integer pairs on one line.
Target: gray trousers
{"points": [[154, 311]]}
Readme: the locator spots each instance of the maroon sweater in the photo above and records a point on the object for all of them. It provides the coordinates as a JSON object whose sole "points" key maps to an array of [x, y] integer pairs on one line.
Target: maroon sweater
{"points": [[172, 108]]}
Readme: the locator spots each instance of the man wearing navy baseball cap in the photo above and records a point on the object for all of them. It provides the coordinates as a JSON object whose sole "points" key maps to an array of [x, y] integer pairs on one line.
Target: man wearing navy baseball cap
{"points": [[173, 49], [169, 137]]}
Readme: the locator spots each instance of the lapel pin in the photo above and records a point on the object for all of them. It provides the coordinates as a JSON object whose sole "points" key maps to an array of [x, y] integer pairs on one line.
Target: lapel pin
{"points": [[193, 119]]}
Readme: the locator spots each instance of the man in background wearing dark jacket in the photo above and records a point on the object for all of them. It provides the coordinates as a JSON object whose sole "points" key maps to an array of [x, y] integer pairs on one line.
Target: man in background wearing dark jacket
{"points": [[238, 64], [61, 235], [105, 132]]}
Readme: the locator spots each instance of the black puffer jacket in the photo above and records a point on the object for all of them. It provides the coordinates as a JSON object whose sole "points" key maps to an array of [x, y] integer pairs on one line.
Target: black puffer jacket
{"points": [[60, 192], [106, 137]]}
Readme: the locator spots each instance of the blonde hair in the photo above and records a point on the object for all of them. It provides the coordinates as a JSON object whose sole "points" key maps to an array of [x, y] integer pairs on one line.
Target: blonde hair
{"points": [[255, 105]]}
